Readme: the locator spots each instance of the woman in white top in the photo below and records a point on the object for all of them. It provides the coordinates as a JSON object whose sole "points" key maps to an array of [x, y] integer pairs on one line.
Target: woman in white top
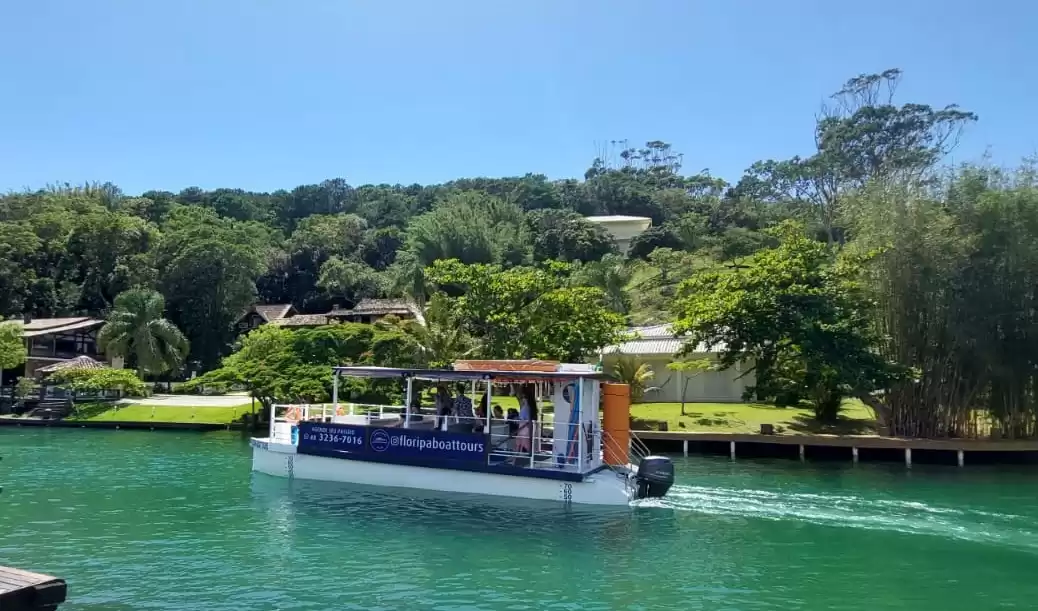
{"points": [[527, 418]]}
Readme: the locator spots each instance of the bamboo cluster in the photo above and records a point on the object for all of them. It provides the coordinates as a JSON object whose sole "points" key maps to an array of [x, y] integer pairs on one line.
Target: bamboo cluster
{"points": [[955, 284]]}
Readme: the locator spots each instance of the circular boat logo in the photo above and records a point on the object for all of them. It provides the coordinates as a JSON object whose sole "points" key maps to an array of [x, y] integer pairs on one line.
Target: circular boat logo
{"points": [[379, 441]]}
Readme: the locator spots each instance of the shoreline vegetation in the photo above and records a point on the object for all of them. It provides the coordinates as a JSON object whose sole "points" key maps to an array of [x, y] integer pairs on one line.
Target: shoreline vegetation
{"points": [[740, 418], [867, 286]]}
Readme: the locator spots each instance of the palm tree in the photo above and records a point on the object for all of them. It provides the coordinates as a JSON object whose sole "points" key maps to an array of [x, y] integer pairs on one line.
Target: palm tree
{"points": [[629, 371], [136, 328], [611, 274], [441, 340]]}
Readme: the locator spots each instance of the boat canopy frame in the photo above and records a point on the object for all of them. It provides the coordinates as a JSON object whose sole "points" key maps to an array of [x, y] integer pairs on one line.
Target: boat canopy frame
{"points": [[489, 377], [433, 375]]}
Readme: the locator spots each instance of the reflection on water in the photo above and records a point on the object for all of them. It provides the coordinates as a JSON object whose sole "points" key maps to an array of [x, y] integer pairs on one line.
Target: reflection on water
{"points": [[177, 522]]}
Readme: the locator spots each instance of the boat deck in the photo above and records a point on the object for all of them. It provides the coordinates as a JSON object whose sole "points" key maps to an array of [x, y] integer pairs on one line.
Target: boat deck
{"points": [[24, 591]]}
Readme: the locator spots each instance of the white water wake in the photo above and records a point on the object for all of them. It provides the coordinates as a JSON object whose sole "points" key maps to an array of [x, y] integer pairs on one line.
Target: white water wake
{"points": [[851, 511]]}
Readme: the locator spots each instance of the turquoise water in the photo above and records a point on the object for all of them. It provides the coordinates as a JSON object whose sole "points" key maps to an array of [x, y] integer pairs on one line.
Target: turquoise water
{"points": [[176, 521]]}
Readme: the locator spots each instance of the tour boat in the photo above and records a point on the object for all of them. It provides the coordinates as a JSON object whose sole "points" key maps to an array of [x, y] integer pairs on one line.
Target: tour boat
{"points": [[570, 455]]}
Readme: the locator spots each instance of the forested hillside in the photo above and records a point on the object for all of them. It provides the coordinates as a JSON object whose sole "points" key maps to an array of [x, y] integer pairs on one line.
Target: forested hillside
{"points": [[938, 264]]}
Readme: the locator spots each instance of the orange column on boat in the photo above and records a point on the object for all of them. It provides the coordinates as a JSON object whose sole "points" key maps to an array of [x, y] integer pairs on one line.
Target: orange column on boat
{"points": [[616, 423]]}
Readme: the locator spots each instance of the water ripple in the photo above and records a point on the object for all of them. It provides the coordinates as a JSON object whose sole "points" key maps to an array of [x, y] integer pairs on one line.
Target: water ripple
{"points": [[177, 522]]}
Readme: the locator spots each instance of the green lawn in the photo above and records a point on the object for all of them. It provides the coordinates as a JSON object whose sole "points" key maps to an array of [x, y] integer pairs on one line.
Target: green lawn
{"points": [[703, 417], [855, 418], [165, 413]]}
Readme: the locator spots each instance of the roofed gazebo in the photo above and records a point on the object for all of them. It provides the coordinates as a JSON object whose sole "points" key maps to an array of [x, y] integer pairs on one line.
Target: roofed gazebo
{"points": [[79, 363]]}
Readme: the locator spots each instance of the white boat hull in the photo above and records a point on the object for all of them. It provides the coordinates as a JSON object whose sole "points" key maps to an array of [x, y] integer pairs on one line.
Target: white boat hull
{"points": [[603, 488]]}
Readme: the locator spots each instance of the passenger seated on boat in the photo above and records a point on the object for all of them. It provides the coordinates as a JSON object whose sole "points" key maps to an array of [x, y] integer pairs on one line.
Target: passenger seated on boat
{"points": [[513, 421], [481, 418], [497, 413]]}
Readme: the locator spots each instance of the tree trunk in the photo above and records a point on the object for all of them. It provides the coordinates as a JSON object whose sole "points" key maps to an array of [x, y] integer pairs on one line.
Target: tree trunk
{"points": [[881, 410]]}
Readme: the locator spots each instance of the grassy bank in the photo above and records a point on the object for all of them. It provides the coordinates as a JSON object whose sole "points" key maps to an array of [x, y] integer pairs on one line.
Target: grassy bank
{"points": [[163, 413], [855, 418]]}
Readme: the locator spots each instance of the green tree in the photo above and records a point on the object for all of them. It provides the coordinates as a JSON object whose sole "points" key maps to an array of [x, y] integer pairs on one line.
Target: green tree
{"points": [[12, 347], [321, 237], [97, 380], [137, 331], [610, 275], [268, 366], [406, 278], [281, 365], [526, 312], [473, 228], [349, 280], [441, 339], [208, 267], [690, 368], [564, 235], [109, 251], [862, 136], [19, 246], [791, 309], [653, 283], [380, 247], [662, 236]]}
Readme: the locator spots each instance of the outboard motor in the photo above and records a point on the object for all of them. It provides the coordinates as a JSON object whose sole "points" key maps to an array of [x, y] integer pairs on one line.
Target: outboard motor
{"points": [[655, 477]]}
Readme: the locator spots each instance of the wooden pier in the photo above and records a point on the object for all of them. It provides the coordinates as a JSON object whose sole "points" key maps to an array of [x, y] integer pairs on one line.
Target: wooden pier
{"points": [[843, 447], [24, 591]]}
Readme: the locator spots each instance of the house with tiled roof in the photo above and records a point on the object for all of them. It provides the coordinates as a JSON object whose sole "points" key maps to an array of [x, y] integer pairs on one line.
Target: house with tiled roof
{"points": [[366, 311], [373, 310], [658, 346], [261, 314], [300, 321], [53, 341]]}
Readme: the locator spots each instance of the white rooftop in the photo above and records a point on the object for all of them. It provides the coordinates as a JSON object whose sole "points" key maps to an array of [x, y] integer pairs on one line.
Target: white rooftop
{"points": [[655, 340], [617, 218]]}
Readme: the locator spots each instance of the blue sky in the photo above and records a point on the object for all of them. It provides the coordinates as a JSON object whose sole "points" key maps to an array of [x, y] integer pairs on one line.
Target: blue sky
{"points": [[264, 94]]}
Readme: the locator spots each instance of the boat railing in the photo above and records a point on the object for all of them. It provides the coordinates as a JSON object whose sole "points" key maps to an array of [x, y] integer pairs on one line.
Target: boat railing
{"points": [[508, 445], [531, 445], [638, 448], [285, 415], [635, 451]]}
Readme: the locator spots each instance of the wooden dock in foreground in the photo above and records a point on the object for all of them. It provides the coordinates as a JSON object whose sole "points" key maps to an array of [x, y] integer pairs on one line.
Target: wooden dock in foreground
{"points": [[24, 591], [846, 447]]}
